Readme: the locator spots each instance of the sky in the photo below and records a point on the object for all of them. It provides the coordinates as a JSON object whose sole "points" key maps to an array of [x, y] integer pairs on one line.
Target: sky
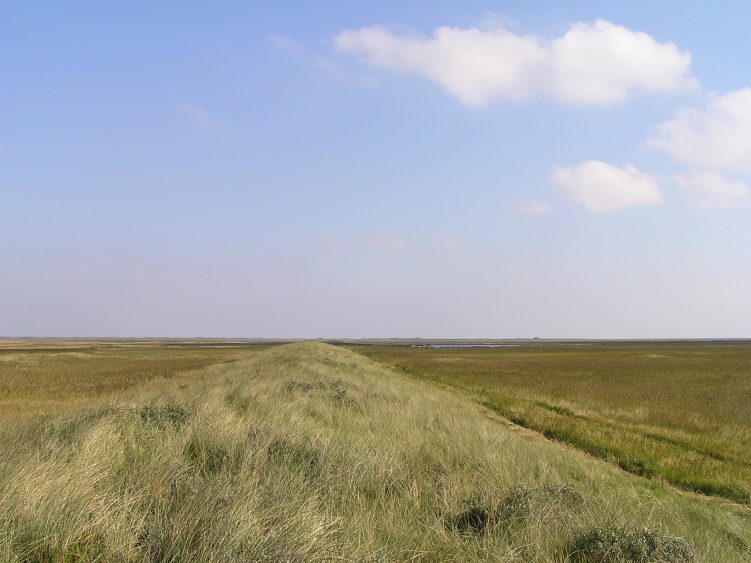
{"points": [[435, 169]]}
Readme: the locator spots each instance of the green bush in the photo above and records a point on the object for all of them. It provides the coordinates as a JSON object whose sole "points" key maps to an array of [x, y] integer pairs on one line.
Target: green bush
{"points": [[619, 544]]}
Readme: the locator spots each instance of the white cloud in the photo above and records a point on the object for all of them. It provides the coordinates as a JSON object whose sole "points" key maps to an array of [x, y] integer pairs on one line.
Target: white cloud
{"points": [[390, 243], [448, 242], [534, 207], [602, 187], [716, 137], [709, 189], [597, 63], [465, 62], [602, 62]]}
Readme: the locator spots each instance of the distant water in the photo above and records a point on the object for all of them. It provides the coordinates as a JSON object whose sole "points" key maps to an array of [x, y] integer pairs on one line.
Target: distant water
{"points": [[465, 345]]}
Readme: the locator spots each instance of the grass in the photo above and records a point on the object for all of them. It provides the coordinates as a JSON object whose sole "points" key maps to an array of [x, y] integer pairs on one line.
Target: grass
{"points": [[312, 452], [50, 376], [675, 411]]}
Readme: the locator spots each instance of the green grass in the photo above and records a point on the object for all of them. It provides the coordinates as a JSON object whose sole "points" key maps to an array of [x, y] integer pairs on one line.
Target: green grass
{"points": [[49, 377], [675, 411], [311, 452]]}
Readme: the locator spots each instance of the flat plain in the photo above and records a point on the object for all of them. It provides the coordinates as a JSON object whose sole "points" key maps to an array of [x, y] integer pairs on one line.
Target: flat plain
{"points": [[312, 452], [51, 376]]}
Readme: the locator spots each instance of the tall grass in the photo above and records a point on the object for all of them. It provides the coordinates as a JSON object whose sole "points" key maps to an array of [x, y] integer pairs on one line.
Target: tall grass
{"points": [[310, 452]]}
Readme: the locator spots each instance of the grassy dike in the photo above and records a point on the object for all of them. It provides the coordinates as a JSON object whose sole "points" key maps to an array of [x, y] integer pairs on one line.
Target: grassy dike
{"points": [[311, 452]]}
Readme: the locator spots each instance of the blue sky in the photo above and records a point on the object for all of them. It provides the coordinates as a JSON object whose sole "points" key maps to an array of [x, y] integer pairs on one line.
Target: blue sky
{"points": [[375, 169]]}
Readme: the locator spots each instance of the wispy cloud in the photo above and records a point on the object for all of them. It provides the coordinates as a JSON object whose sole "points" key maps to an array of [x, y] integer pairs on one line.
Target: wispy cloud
{"points": [[332, 244], [291, 47], [499, 20], [285, 44], [448, 242], [390, 243], [533, 207], [203, 119], [709, 189]]}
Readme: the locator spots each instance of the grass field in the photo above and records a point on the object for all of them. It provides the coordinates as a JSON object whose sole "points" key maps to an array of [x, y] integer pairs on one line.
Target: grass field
{"points": [[51, 376], [676, 411], [312, 452]]}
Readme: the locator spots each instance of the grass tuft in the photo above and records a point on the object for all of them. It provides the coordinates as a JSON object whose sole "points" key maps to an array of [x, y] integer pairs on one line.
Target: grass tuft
{"points": [[170, 415], [521, 506]]}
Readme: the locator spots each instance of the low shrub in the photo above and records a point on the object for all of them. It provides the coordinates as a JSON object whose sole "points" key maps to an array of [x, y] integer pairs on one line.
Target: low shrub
{"points": [[623, 544]]}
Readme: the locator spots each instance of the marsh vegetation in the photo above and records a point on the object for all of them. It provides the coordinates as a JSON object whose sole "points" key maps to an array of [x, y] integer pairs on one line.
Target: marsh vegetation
{"points": [[674, 411], [44, 377], [312, 452]]}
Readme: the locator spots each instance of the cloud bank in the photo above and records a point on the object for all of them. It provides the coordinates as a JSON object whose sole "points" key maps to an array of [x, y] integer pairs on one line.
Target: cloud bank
{"points": [[602, 187], [592, 63]]}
